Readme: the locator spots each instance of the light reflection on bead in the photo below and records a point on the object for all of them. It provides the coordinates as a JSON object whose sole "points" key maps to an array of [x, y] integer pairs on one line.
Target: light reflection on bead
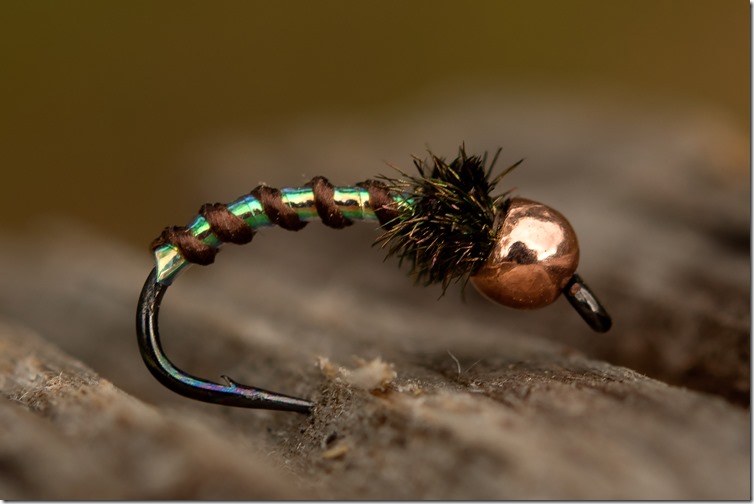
{"points": [[535, 255]]}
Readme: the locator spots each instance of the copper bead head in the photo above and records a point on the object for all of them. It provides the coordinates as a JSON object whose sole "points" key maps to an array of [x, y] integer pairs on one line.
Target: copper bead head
{"points": [[535, 255]]}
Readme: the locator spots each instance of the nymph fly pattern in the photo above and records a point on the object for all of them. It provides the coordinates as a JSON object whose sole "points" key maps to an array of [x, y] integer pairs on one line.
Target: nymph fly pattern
{"points": [[445, 222]]}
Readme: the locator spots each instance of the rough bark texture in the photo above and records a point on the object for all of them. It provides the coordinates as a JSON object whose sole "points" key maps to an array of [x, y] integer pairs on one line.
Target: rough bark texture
{"points": [[468, 401]]}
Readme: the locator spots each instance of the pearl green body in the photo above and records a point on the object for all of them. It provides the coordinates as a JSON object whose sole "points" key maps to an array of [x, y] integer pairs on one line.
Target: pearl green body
{"points": [[353, 203]]}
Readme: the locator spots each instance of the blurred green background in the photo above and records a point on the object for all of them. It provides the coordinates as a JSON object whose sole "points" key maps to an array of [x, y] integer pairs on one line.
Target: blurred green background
{"points": [[100, 99]]}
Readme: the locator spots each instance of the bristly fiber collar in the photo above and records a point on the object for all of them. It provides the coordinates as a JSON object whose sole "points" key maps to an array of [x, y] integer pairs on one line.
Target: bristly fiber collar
{"points": [[446, 231]]}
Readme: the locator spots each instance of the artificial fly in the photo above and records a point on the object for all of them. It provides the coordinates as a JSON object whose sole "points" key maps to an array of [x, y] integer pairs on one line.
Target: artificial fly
{"points": [[444, 222]]}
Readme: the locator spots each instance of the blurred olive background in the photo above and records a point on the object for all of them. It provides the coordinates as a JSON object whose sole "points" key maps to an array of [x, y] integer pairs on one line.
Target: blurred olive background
{"points": [[100, 100]]}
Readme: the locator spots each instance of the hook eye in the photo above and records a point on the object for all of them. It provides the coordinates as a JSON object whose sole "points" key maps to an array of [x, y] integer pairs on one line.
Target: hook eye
{"points": [[587, 305]]}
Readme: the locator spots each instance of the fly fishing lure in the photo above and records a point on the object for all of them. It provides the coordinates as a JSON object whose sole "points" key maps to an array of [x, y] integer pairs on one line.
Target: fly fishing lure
{"points": [[444, 222]]}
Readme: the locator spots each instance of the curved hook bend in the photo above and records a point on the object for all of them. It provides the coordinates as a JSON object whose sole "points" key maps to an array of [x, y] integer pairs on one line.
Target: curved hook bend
{"points": [[230, 394]]}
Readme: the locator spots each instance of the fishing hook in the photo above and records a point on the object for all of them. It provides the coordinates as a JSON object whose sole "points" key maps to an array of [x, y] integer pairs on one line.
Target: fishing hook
{"points": [[444, 222]]}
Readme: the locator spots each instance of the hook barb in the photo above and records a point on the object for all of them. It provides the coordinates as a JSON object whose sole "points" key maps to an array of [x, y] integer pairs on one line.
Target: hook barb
{"points": [[587, 305], [230, 394]]}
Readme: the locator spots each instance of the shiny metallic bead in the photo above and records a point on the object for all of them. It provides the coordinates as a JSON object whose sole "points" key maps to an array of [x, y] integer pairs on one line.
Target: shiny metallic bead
{"points": [[535, 255]]}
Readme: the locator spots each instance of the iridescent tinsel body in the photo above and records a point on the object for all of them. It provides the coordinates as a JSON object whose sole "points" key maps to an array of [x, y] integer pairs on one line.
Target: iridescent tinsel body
{"points": [[353, 203]]}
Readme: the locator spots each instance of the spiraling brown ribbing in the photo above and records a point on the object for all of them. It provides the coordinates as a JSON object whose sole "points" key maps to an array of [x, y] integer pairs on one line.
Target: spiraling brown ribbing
{"points": [[230, 228], [381, 202], [191, 248], [327, 210], [226, 226]]}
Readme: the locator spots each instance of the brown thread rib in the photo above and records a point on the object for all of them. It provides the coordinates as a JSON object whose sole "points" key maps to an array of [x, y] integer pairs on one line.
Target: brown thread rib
{"points": [[226, 226], [381, 202], [191, 248], [327, 210], [277, 211], [230, 228]]}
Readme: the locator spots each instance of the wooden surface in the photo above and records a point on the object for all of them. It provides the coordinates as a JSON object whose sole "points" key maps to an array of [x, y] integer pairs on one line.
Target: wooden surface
{"points": [[468, 401]]}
